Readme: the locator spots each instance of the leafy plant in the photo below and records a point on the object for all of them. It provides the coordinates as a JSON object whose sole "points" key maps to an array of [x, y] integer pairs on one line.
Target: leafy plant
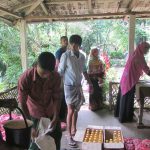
{"points": [[108, 35], [117, 54]]}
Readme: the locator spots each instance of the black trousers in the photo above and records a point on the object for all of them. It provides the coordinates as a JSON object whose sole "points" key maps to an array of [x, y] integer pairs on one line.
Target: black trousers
{"points": [[124, 108], [63, 108], [96, 98]]}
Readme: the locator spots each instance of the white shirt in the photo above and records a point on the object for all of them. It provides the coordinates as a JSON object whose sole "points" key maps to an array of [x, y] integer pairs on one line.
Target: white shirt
{"points": [[71, 68]]}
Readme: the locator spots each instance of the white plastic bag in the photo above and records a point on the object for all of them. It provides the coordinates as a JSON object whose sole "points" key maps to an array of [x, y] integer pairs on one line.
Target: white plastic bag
{"points": [[43, 141]]}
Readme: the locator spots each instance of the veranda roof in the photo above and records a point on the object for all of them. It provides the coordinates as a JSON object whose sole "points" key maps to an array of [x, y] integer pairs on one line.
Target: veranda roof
{"points": [[64, 10]]}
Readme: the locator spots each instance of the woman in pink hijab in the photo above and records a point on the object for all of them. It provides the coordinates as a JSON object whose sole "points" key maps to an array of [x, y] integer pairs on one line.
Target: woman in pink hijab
{"points": [[134, 68]]}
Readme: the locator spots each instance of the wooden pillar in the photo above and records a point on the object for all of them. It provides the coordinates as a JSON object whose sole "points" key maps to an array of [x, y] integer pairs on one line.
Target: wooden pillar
{"points": [[66, 29], [132, 21], [23, 38]]}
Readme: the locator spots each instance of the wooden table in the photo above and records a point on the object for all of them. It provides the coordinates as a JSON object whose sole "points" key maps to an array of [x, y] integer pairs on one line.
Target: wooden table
{"points": [[142, 91], [5, 146]]}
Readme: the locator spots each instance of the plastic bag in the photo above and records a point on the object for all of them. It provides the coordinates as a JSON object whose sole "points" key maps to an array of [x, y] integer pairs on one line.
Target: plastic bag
{"points": [[44, 141]]}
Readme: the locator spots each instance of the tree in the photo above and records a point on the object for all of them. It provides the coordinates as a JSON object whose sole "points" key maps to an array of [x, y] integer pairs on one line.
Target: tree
{"points": [[109, 35]]}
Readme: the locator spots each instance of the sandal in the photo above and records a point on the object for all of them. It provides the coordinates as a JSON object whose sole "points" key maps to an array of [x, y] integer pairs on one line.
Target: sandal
{"points": [[72, 143]]}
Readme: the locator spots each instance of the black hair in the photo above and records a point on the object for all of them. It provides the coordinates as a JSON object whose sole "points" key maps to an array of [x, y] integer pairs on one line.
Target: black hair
{"points": [[64, 37], [46, 61], [76, 39]]}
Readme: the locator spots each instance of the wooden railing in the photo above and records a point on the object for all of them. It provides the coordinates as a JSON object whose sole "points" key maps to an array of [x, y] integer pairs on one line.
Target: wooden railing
{"points": [[113, 91], [8, 94]]}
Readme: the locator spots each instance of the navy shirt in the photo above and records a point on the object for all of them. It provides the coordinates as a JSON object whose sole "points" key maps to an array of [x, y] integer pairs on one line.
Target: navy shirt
{"points": [[59, 52]]}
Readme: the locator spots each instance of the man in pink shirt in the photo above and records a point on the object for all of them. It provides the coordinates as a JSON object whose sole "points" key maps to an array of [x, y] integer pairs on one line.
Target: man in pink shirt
{"points": [[39, 95]]}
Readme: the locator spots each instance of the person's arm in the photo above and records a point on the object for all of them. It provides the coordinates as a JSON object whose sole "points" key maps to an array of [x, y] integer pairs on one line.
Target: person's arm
{"points": [[57, 64], [56, 101], [101, 70], [146, 69], [62, 64], [86, 76], [23, 94], [57, 56]]}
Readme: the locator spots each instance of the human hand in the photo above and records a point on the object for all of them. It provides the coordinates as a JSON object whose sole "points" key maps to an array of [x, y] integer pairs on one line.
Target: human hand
{"points": [[52, 126], [34, 133]]}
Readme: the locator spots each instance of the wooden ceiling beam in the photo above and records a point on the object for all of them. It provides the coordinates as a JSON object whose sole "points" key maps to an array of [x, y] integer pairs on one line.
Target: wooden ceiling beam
{"points": [[28, 4], [22, 6], [118, 5], [34, 5], [131, 5], [90, 6], [9, 13], [44, 8], [64, 1], [73, 16], [84, 16], [10, 23]]}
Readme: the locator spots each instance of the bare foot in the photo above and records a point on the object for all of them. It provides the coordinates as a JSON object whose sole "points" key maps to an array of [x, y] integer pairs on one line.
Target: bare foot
{"points": [[73, 132]]}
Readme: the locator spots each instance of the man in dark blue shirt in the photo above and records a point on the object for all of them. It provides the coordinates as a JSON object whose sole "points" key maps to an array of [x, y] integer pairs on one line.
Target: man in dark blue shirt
{"points": [[60, 51], [63, 109]]}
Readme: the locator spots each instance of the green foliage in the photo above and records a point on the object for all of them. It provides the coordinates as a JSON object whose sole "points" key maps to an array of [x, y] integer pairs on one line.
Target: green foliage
{"points": [[117, 54], [10, 54], [110, 35], [117, 62]]}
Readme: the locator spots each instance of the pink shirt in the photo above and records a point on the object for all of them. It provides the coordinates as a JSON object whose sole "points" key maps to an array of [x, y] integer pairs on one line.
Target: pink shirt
{"points": [[39, 93], [134, 68]]}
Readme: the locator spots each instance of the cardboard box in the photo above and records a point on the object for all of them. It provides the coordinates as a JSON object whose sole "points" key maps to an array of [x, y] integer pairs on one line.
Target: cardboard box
{"points": [[113, 138], [93, 138]]}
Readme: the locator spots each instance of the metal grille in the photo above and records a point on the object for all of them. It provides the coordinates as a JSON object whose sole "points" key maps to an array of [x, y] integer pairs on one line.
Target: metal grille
{"points": [[147, 103], [8, 94], [113, 92]]}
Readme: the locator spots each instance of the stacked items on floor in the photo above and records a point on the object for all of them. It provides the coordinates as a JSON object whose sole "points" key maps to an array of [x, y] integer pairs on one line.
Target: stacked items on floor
{"points": [[98, 137], [113, 138], [93, 138], [107, 138]]}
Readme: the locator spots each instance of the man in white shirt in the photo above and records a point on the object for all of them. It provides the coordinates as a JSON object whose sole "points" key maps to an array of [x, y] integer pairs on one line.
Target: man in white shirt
{"points": [[71, 67]]}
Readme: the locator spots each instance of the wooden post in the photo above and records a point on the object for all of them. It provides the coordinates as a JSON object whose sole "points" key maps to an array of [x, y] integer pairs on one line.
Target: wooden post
{"points": [[66, 29], [131, 32], [23, 38]]}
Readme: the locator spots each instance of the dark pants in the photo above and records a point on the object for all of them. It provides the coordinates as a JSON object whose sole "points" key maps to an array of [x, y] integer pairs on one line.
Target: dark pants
{"points": [[63, 108], [96, 98], [124, 108], [56, 134]]}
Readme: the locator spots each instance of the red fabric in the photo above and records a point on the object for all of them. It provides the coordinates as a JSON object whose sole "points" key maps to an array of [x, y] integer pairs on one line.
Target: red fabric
{"points": [[144, 145], [38, 93], [3, 119], [106, 60], [129, 144], [136, 144]]}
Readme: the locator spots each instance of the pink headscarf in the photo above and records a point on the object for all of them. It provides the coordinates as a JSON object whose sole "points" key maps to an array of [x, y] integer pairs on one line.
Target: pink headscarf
{"points": [[134, 68]]}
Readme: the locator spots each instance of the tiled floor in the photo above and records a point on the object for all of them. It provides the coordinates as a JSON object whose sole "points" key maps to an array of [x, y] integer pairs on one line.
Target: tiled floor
{"points": [[105, 117]]}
